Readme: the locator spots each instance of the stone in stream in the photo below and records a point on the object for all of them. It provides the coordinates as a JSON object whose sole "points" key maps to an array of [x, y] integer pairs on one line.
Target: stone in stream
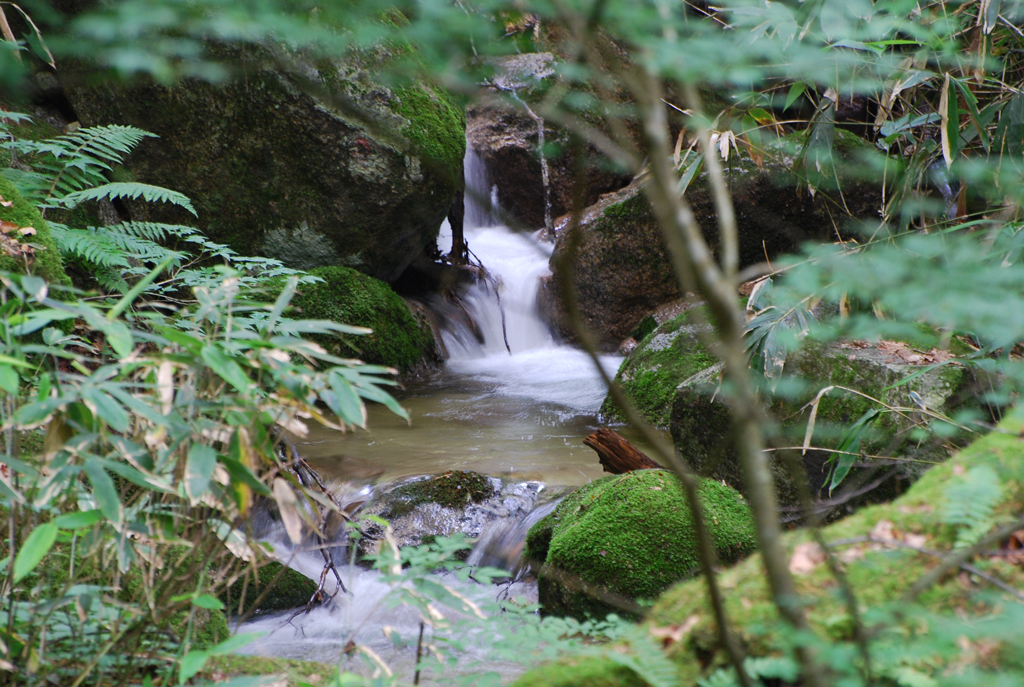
{"points": [[629, 537], [283, 162], [891, 372], [621, 267], [422, 509]]}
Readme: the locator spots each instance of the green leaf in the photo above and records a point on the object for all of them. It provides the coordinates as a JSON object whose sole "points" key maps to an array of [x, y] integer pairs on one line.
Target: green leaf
{"points": [[9, 381], [76, 521], [199, 469], [208, 602], [143, 284], [233, 644], [795, 91], [103, 490], [8, 360], [240, 473], [850, 443], [118, 336], [192, 663], [226, 368], [129, 189], [36, 546], [350, 407], [108, 410]]}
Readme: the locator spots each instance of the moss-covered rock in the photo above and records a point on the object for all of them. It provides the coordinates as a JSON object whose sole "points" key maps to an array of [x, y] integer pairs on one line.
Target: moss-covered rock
{"points": [[630, 536], [879, 576], [400, 338], [282, 164], [287, 589], [46, 262], [580, 672], [666, 356], [622, 270], [292, 672], [701, 428]]}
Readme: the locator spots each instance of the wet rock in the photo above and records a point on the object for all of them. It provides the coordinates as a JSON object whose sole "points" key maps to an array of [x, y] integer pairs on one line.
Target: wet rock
{"points": [[701, 428], [629, 537], [281, 163], [667, 356], [622, 270], [507, 138], [285, 588], [441, 506]]}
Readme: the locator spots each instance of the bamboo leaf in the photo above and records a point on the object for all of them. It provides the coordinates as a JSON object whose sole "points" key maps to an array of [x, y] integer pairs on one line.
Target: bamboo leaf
{"points": [[35, 548], [103, 490], [225, 367], [199, 469], [813, 417], [288, 506]]}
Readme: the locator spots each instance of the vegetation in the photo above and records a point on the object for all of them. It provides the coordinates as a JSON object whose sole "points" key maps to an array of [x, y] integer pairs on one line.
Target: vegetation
{"points": [[161, 427]]}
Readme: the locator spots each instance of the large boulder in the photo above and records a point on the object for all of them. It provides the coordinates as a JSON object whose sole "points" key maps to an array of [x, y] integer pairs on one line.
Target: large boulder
{"points": [[401, 338], [275, 586], [319, 166], [664, 358], [621, 267], [26, 244], [630, 536], [893, 373]]}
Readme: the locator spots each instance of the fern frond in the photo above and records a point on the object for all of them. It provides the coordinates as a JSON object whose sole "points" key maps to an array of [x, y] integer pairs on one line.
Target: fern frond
{"points": [[97, 249], [129, 189], [971, 501]]}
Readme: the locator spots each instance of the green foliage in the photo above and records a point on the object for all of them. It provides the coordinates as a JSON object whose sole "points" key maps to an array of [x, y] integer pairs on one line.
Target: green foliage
{"points": [[971, 500], [397, 338]]}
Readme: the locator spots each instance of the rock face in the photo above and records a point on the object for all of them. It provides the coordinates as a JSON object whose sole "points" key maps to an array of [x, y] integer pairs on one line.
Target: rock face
{"points": [[444, 505], [630, 536], [701, 430], [276, 171], [622, 269], [400, 338], [43, 261], [662, 360]]}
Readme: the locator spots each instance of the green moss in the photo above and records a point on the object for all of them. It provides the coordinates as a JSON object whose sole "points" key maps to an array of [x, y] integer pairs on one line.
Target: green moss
{"points": [[47, 263], [538, 540], [453, 489], [291, 590], [580, 672], [436, 128], [667, 356], [632, 535], [399, 339], [295, 672], [879, 576]]}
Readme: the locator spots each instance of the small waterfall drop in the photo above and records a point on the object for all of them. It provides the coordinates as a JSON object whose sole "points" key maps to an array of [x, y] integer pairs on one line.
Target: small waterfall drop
{"points": [[535, 364]]}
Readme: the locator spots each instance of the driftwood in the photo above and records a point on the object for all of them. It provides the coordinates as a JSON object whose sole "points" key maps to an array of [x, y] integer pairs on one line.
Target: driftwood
{"points": [[617, 455]]}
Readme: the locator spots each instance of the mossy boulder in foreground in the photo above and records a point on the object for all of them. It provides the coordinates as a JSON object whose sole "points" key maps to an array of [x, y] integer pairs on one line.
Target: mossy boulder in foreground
{"points": [[400, 338], [630, 536], [46, 262], [664, 358]]}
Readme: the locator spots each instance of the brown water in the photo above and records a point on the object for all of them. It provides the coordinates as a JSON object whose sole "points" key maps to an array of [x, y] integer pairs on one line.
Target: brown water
{"points": [[464, 423]]}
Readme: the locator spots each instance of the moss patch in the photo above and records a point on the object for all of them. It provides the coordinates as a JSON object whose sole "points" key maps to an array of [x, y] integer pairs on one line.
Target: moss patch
{"points": [[399, 339], [668, 355], [632, 535], [591, 672], [436, 128], [47, 263], [295, 672], [878, 575], [453, 489], [291, 590]]}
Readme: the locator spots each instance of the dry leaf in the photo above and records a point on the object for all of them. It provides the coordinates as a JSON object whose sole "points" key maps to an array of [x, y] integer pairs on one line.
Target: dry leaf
{"points": [[27, 231], [884, 530], [806, 557], [672, 634], [287, 504]]}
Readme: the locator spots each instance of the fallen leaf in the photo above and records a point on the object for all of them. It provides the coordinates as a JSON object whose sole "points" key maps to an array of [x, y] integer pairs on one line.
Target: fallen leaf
{"points": [[672, 634], [27, 231], [884, 530], [806, 557]]}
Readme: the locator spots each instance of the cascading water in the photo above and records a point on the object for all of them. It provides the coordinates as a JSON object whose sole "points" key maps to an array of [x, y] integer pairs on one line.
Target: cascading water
{"points": [[504, 410]]}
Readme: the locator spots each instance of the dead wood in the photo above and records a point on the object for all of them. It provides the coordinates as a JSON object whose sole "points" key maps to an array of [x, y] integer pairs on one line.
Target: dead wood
{"points": [[617, 455]]}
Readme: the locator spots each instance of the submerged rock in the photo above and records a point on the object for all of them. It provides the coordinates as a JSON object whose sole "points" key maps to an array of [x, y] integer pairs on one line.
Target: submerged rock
{"points": [[666, 356], [401, 338], [443, 505], [701, 427], [630, 536], [283, 164], [622, 270]]}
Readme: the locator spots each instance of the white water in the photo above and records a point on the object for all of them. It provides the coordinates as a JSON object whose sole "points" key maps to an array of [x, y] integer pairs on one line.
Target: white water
{"points": [[534, 365]]}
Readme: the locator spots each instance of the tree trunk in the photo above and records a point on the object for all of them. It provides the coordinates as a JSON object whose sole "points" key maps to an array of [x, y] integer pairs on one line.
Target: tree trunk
{"points": [[617, 455]]}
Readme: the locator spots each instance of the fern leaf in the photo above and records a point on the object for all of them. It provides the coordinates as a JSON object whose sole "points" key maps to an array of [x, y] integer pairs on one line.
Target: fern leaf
{"points": [[87, 245], [971, 501], [129, 189]]}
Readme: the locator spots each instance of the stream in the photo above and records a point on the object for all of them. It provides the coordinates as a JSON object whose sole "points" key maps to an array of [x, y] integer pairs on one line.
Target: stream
{"points": [[519, 414]]}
